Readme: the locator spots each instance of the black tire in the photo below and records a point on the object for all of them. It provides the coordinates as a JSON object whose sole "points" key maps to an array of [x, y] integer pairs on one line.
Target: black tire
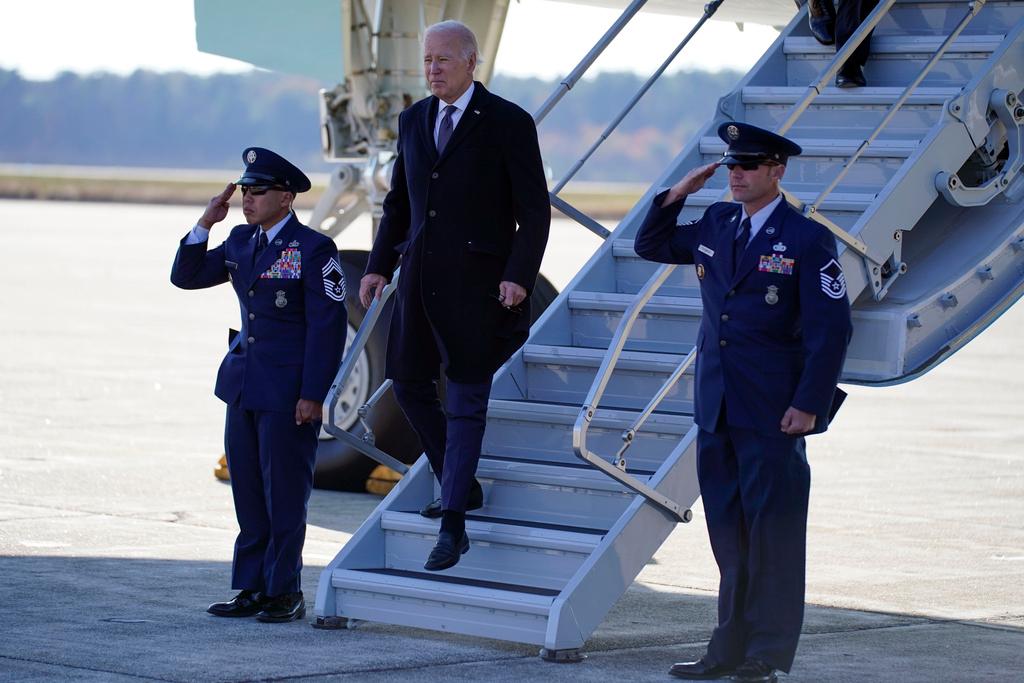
{"points": [[341, 468]]}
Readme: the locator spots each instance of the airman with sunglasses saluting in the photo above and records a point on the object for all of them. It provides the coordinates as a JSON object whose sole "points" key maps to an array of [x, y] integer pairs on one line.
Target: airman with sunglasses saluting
{"points": [[771, 345], [276, 373]]}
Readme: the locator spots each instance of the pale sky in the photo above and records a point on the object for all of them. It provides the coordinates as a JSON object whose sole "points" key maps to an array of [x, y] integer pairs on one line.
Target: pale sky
{"points": [[40, 38]]}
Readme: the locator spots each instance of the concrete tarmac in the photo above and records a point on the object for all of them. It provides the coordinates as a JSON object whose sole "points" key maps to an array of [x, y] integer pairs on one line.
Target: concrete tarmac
{"points": [[114, 535]]}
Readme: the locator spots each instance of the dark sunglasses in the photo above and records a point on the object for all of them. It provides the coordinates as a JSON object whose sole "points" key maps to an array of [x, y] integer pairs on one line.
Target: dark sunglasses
{"points": [[750, 165], [259, 190]]}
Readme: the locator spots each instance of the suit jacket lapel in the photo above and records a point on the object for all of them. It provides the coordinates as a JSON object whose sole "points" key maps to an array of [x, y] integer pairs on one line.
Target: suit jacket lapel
{"points": [[470, 118], [426, 124], [273, 250]]}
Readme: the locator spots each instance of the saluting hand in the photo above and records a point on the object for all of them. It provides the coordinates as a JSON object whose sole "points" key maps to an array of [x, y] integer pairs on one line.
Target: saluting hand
{"points": [[691, 182], [371, 287], [796, 421], [510, 294], [217, 209], [308, 411]]}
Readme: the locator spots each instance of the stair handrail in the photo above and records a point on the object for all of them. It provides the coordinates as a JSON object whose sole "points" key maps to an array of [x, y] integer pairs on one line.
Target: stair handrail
{"points": [[973, 8], [597, 388], [577, 73], [364, 445]]}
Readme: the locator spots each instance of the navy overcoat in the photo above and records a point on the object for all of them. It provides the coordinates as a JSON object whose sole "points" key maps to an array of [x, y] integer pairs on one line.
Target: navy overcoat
{"points": [[462, 222]]}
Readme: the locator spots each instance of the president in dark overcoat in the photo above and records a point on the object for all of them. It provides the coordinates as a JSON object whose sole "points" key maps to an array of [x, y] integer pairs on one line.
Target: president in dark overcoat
{"points": [[468, 217], [275, 375], [771, 345]]}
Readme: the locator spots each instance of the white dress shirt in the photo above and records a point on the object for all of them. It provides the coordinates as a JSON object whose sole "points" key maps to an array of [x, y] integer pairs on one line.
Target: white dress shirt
{"points": [[759, 218], [460, 105]]}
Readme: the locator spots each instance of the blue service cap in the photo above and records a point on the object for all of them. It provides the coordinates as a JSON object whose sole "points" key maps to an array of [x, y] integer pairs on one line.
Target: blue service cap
{"points": [[263, 167], [749, 143]]}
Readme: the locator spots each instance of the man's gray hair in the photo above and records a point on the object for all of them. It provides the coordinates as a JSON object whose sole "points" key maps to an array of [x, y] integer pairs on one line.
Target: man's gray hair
{"points": [[460, 31]]}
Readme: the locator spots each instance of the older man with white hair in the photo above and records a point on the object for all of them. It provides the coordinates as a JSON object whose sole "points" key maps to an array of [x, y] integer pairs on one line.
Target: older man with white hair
{"points": [[468, 215]]}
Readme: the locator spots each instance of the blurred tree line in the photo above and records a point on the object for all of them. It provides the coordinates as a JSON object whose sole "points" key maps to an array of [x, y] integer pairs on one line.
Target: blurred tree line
{"points": [[179, 120]]}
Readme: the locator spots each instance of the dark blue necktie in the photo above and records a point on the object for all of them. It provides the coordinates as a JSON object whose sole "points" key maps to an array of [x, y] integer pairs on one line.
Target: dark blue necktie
{"points": [[261, 244], [740, 245], [445, 132]]}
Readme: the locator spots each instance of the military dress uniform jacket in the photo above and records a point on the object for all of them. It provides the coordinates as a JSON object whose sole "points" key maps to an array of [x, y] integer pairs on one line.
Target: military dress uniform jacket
{"points": [[452, 219], [292, 301], [772, 335]]}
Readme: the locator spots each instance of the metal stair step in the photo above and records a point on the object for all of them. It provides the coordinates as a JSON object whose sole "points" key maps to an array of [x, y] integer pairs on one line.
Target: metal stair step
{"points": [[847, 113], [667, 324], [632, 272], [443, 602], [542, 432], [504, 551], [823, 159], [563, 374], [940, 16], [832, 96], [901, 44], [896, 59], [843, 148]]}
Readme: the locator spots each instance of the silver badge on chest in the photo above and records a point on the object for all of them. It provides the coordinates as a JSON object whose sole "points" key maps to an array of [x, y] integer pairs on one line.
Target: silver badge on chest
{"points": [[772, 296], [280, 301]]}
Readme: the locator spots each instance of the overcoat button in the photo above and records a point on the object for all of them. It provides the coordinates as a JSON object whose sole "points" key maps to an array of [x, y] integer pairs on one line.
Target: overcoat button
{"points": [[431, 213], [251, 340], [252, 316], [252, 293], [732, 292], [723, 343], [435, 175], [725, 317]]}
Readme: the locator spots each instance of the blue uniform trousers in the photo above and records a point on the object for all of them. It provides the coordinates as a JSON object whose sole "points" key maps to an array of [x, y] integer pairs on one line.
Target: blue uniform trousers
{"points": [[271, 463], [452, 437], [755, 490]]}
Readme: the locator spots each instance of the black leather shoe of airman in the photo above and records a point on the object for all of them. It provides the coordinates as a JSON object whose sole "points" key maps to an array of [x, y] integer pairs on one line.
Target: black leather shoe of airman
{"points": [[755, 671], [851, 77], [474, 502], [446, 552], [701, 670], [282, 608], [821, 18], [245, 604]]}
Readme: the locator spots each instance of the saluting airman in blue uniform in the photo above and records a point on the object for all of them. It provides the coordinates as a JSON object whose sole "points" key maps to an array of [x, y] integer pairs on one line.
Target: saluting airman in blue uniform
{"points": [[276, 373], [771, 345]]}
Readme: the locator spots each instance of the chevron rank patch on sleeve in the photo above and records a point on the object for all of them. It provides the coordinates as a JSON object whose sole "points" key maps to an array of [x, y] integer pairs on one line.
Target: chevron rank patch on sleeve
{"points": [[833, 281], [334, 280]]}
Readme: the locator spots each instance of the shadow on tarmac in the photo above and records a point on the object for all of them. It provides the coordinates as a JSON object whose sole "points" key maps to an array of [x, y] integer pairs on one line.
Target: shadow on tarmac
{"points": [[114, 618]]}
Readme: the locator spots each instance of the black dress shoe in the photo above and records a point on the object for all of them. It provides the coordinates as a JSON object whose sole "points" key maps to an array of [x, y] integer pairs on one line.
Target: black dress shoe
{"points": [[755, 671], [446, 552], [245, 604], [851, 77], [475, 501], [284, 607], [821, 18], [701, 670]]}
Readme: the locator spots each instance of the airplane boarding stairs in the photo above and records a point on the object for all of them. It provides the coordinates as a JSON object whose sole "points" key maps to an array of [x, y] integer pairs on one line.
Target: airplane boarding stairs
{"points": [[929, 263]]}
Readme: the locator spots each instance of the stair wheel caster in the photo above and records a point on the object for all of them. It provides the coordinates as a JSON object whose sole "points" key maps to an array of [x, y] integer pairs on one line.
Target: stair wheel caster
{"points": [[330, 623], [568, 656]]}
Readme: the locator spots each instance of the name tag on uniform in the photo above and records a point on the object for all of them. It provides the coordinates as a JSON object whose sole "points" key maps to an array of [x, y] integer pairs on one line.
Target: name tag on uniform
{"points": [[287, 267], [706, 250], [231, 264]]}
